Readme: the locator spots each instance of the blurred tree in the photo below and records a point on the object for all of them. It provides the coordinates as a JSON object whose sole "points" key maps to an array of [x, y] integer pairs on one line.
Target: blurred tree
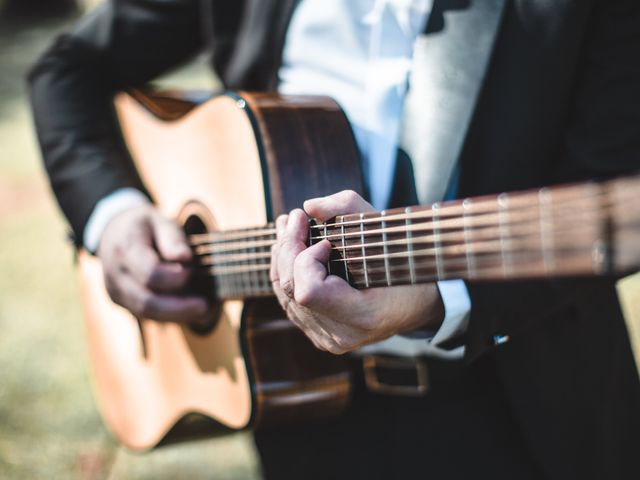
{"points": [[37, 8]]}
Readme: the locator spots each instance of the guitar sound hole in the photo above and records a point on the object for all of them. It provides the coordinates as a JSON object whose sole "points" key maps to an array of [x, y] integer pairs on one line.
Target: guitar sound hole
{"points": [[201, 282]]}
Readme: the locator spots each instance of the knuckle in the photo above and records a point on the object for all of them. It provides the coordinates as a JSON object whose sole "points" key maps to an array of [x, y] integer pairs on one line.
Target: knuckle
{"points": [[119, 250], [335, 349], [148, 278], [316, 343], [303, 261], [349, 196], [287, 287], [147, 305], [305, 296], [113, 289], [344, 344], [362, 323]]}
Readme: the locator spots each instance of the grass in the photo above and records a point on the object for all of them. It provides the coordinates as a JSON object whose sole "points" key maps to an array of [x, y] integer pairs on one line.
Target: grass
{"points": [[49, 425]]}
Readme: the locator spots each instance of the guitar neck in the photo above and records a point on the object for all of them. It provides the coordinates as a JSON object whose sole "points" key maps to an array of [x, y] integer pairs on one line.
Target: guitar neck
{"points": [[576, 230], [582, 229]]}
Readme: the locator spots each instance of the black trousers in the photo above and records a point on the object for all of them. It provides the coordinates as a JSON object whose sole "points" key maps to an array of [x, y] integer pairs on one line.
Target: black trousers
{"points": [[461, 429]]}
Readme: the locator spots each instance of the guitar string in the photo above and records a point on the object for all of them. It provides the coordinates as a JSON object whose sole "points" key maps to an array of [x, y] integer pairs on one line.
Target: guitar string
{"points": [[460, 236], [241, 268], [558, 195], [517, 201], [452, 225], [443, 222], [480, 224], [483, 220], [527, 243], [579, 262]]}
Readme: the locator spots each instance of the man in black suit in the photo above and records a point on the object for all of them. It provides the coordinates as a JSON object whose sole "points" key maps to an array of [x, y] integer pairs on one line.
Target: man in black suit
{"points": [[530, 93]]}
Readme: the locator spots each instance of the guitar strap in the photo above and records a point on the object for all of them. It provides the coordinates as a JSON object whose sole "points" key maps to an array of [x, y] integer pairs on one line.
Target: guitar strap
{"points": [[450, 61]]}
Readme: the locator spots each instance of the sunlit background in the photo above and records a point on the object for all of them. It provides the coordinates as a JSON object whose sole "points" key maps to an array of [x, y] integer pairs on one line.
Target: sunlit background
{"points": [[49, 425]]}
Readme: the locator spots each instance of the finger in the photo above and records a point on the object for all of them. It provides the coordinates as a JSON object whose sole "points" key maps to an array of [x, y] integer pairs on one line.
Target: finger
{"points": [[281, 223], [167, 308], [309, 273], [283, 299], [309, 323], [143, 263], [273, 266], [290, 244], [341, 203], [170, 240]]}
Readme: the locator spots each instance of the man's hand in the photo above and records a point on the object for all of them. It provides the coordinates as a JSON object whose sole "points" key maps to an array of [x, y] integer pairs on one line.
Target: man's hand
{"points": [[143, 256], [335, 316]]}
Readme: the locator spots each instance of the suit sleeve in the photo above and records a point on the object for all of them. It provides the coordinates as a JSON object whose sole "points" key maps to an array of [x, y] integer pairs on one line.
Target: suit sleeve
{"points": [[123, 43]]}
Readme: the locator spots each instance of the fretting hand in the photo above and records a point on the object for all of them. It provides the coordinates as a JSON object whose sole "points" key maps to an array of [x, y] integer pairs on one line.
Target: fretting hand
{"points": [[143, 256], [335, 316]]}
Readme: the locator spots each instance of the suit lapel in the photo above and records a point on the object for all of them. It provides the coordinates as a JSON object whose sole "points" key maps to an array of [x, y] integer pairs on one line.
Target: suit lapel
{"points": [[449, 65]]}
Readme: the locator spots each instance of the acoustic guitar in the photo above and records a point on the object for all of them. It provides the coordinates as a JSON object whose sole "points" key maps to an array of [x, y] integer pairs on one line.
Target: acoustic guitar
{"points": [[224, 167]]}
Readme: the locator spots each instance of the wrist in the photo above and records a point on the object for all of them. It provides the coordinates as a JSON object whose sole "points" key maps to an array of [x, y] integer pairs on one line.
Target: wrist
{"points": [[423, 310], [106, 210]]}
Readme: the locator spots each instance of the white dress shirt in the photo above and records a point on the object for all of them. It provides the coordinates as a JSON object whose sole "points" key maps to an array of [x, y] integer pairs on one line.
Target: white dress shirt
{"points": [[359, 53]]}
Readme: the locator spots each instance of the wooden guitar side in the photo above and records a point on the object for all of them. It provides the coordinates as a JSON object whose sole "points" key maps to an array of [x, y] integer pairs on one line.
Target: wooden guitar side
{"points": [[254, 368]]}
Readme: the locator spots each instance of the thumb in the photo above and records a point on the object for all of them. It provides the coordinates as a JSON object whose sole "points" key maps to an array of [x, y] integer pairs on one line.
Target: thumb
{"points": [[341, 203], [170, 240]]}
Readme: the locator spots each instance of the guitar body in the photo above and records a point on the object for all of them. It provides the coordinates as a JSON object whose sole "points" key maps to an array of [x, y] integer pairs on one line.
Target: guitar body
{"points": [[228, 163]]}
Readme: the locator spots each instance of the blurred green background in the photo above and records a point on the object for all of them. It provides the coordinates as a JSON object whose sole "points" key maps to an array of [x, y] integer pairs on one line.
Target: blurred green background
{"points": [[49, 426]]}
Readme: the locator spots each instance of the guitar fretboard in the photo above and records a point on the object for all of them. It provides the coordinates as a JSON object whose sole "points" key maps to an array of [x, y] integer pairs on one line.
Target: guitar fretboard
{"points": [[583, 229]]}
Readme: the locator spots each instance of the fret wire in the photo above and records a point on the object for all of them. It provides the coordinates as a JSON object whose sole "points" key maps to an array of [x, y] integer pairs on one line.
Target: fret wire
{"points": [[409, 236], [325, 236], [364, 253], [345, 252], [505, 240], [437, 242], [471, 258], [546, 229], [385, 248]]}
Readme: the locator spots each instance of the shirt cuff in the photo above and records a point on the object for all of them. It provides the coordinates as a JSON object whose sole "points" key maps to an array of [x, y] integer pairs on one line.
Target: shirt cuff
{"points": [[106, 209], [457, 306]]}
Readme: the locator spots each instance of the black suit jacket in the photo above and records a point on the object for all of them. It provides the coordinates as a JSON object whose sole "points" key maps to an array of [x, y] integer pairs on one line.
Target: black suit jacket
{"points": [[560, 101]]}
